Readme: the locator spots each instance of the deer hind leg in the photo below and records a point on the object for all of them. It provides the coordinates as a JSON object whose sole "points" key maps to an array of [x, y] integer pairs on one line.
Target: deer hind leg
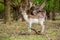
{"points": [[29, 28], [43, 26]]}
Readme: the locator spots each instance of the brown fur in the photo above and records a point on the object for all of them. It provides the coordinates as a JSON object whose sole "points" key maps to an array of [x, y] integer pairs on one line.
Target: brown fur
{"points": [[37, 15]]}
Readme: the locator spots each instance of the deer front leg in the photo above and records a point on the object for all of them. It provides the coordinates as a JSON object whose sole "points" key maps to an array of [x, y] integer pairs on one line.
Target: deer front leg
{"points": [[29, 28]]}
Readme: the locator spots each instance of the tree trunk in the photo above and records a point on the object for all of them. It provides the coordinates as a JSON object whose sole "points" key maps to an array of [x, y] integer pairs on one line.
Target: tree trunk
{"points": [[48, 15], [7, 15], [54, 10]]}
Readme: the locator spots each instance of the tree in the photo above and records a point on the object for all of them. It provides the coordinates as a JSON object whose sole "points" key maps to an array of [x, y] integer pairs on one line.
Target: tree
{"points": [[7, 15], [49, 7], [54, 10], [15, 6]]}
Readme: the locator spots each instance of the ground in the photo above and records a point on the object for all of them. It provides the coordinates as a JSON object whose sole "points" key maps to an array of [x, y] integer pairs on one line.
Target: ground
{"points": [[15, 30]]}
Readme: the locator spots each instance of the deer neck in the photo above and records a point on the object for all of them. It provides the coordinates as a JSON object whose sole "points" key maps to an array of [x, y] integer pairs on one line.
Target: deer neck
{"points": [[25, 16]]}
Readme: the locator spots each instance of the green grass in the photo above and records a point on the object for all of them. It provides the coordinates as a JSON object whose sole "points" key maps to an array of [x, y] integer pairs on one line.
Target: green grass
{"points": [[30, 38], [34, 37], [13, 31], [4, 38]]}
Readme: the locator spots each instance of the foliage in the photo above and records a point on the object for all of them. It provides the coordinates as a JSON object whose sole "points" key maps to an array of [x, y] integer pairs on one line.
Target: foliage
{"points": [[38, 2], [49, 6], [57, 6], [1, 10], [1, 7], [2, 0]]}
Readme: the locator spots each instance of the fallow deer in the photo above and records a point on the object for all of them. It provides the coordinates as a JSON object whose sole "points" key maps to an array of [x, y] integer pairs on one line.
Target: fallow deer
{"points": [[30, 19]]}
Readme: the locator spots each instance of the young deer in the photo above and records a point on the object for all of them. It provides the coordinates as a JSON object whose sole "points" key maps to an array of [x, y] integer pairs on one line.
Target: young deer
{"points": [[38, 18]]}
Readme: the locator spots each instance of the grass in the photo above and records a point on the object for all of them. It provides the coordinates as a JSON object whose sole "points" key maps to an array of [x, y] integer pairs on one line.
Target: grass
{"points": [[34, 37], [13, 31], [31, 37], [4, 39]]}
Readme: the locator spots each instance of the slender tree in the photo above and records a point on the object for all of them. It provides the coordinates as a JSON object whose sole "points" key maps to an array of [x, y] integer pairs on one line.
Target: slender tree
{"points": [[54, 10], [48, 11], [7, 15]]}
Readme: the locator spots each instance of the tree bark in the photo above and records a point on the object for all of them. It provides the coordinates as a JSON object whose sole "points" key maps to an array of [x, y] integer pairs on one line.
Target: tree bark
{"points": [[7, 15], [48, 15], [54, 10]]}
